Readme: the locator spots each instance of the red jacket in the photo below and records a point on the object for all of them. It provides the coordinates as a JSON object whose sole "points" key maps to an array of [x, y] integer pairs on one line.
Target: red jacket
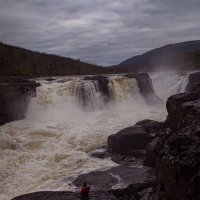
{"points": [[84, 191]]}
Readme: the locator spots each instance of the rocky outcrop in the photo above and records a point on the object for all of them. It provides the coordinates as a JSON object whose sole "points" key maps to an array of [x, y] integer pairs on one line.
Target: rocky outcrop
{"points": [[183, 110], [146, 88], [193, 83], [124, 181], [178, 159], [150, 153], [113, 178], [15, 94], [178, 167], [131, 139], [103, 85]]}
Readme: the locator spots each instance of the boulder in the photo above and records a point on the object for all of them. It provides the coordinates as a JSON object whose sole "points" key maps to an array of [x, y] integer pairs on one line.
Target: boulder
{"points": [[15, 94], [130, 139], [135, 191]]}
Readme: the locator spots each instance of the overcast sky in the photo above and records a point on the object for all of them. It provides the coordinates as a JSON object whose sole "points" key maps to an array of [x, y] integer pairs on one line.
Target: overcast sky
{"points": [[103, 32]]}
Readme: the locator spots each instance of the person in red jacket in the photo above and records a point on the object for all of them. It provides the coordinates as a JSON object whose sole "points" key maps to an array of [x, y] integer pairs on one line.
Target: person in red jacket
{"points": [[84, 193]]}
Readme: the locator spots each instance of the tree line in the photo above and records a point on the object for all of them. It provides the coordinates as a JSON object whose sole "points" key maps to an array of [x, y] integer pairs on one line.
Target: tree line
{"points": [[17, 61]]}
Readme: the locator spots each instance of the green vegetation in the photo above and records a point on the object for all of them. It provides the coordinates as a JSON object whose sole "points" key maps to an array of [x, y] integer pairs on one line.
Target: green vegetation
{"points": [[21, 62]]}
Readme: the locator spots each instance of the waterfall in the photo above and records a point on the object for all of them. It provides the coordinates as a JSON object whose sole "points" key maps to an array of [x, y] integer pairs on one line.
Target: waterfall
{"points": [[87, 94], [184, 83], [67, 119], [167, 84], [123, 88]]}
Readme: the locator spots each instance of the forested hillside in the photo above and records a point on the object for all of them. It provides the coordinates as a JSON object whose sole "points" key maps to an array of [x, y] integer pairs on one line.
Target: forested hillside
{"points": [[21, 62], [186, 60], [178, 56]]}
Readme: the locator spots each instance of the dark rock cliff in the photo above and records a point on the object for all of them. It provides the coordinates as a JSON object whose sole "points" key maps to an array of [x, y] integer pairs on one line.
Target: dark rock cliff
{"points": [[178, 156], [183, 110], [15, 94], [193, 83]]}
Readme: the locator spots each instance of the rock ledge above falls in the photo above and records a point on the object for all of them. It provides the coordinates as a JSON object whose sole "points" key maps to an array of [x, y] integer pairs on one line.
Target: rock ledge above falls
{"points": [[15, 94]]}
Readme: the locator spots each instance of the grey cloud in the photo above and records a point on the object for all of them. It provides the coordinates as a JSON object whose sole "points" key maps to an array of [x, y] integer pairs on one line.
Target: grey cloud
{"points": [[104, 32]]}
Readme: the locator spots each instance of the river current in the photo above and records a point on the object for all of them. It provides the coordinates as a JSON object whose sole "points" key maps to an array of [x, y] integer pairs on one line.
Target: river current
{"points": [[52, 145]]}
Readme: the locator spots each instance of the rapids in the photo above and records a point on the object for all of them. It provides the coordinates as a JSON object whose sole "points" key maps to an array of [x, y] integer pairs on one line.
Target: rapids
{"points": [[66, 121]]}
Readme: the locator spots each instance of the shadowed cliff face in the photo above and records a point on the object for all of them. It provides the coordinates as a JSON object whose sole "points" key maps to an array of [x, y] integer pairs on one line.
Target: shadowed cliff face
{"points": [[15, 94], [194, 83], [178, 160]]}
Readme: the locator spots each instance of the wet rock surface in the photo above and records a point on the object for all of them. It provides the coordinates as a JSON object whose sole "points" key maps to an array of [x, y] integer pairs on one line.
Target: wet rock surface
{"points": [[183, 110], [103, 85], [150, 153], [116, 177], [15, 94], [129, 140], [146, 88]]}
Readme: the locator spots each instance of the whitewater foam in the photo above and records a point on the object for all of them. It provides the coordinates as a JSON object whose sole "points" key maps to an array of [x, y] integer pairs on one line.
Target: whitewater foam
{"points": [[49, 148]]}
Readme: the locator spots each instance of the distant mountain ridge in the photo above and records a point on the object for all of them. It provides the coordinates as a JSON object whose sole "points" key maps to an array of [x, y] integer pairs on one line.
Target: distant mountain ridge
{"points": [[177, 55], [18, 61]]}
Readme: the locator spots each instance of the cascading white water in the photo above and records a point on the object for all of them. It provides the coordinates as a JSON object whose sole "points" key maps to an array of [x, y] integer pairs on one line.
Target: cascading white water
{"points": [[167, 84], [124, 89], [52, 145], [88, 95]]}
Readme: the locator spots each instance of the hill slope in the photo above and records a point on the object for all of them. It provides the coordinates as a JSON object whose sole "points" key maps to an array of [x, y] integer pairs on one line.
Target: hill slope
{"points": [[21, 62], [181, 56]]}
